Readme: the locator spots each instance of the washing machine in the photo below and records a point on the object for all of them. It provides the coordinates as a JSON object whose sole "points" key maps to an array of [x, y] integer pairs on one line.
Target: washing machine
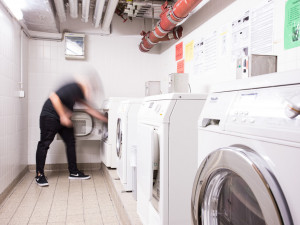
{"points": [[110, 108], [167, 157], [126, 141], [85, 126], [249, 151]]}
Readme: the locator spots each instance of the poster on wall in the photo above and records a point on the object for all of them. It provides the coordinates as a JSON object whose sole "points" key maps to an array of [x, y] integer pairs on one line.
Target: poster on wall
{"points": [[189, 51], [205, 54], [241, 36], [180, 66], [262, 24], [292, 24], [179, 51]]}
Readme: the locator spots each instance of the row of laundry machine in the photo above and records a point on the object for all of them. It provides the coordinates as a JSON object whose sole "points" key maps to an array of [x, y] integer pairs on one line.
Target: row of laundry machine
{"points": [[229, 157]]}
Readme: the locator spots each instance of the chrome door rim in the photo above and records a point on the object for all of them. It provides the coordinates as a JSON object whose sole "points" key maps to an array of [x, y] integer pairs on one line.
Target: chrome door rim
{"points": [[119, 138], [254, 170]]}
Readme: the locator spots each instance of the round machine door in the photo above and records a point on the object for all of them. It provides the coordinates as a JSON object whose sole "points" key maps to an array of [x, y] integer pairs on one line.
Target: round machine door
{"points": [[235, 186], [119, 138], [105, 129], [83, 123]]}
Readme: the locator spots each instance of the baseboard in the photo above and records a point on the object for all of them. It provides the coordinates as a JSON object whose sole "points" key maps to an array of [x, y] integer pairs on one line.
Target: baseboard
{"points": [[124, 201], [11, 186], [64, 166]]}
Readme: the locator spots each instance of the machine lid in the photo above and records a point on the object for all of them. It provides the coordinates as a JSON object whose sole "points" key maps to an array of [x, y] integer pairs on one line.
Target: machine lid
{"points": [[175, 96], [268, 80], [234, 185], [119, 138]]}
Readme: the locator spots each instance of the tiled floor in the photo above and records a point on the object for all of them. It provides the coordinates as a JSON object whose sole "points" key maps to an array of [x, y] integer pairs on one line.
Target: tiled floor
{"points": [[63, 202]]}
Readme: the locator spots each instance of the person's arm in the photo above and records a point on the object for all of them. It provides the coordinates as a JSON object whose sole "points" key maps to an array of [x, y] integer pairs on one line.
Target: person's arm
{"points": [[94, 112], [64, 115]]}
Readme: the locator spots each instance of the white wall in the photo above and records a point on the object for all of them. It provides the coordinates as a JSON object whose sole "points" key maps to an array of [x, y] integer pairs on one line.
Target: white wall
{"points": [[13, 110], [122, 68], [212, 17]]}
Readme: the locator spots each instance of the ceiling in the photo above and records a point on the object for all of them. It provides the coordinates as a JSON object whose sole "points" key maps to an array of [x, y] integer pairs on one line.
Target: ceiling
{"points": [[47, 15]]}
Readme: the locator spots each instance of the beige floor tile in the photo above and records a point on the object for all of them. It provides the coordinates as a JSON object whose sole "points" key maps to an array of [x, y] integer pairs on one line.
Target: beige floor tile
{"points": [[65, 201], [4, 221]]}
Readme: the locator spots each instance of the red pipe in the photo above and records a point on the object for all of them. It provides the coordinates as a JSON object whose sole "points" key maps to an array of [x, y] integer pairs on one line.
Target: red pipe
{"points": [[169, 18]]}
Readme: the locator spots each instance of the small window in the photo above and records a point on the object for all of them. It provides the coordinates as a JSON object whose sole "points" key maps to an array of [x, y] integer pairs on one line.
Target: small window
{"points": [[75, 46]]}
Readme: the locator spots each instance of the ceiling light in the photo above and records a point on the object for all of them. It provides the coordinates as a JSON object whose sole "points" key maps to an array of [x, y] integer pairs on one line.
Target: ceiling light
{"points": [[15, 7]]}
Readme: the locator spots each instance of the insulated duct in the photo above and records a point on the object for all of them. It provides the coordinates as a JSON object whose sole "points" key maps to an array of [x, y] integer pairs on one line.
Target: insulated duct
{"points": [[169, 18], [85, 11], [73, 8]]}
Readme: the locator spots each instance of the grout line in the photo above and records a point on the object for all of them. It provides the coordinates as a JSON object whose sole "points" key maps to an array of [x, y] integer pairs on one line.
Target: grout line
{"points": [[52, 197], [98, 198], [23, 199]]}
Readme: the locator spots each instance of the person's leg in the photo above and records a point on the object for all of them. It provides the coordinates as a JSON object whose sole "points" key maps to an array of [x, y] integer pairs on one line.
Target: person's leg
{"points": [[49, 127], [67, 135]]}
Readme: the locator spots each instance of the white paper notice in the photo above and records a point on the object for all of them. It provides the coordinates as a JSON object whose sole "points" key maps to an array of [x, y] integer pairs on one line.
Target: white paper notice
{"points": [[205, 54], [241, 36], [262, 28]]}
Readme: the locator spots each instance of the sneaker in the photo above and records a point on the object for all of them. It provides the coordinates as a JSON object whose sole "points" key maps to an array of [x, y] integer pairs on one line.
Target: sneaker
{"points": [[41, 180], [79, 175]]}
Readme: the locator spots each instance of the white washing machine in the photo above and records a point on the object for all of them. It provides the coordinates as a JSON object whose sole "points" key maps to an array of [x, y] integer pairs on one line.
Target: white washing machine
{"points": [[126, 141], [167, 157], [110, 108], [249, 151]]}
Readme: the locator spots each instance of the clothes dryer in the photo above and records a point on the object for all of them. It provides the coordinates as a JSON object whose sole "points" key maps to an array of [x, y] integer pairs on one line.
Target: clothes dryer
{"points": [[167, 157], [249, 151], [110, 108], [126, 141]]}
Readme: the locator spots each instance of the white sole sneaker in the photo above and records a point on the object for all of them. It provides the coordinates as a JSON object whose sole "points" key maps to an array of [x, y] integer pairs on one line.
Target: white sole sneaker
{"points": [[79, 178]]}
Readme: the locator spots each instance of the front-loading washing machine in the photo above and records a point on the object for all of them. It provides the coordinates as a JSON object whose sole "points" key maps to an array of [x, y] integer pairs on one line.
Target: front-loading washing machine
{"points": [[167, 157], [249, 151], [110, 108], [126, 141]]}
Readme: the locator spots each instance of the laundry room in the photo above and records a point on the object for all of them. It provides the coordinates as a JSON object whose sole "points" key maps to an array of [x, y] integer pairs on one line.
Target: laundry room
{"points": [[149, 112]]}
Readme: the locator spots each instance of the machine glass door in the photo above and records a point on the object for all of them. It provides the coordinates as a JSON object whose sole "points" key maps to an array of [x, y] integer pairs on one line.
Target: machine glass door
{"points": [[119, 138], [83, 123], [155, 171], [235, 186], [105, 129]]}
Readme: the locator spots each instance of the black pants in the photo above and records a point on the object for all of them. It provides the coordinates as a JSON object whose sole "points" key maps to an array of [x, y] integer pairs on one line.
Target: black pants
{"points": [[49, 128]]}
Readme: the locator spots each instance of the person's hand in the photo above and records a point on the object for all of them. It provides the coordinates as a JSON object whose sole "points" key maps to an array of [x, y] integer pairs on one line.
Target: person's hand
{"points": [[66, 121]]}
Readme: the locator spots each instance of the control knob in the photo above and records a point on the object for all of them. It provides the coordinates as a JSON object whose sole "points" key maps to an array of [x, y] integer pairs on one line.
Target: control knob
{"points": [[292, 109]]}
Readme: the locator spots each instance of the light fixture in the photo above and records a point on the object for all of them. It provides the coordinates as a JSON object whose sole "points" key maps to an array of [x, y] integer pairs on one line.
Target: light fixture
{"points": [[85, 10], [15, 8], [73, 8], [98, 12], [60, 9]]}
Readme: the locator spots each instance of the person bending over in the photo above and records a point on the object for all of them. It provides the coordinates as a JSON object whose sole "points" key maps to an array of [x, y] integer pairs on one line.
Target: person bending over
{"points": [[56, 118]]}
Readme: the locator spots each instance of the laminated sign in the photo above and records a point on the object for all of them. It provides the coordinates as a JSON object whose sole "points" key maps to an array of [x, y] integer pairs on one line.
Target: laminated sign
{"points": [[292, 24]]}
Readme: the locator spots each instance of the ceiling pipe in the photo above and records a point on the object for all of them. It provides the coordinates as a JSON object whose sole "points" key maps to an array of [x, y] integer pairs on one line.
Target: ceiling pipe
{"points": [[60, 9], [147, 44], [169, 18], [110, 10], [73, 8], [98, 12], [85, 10]]}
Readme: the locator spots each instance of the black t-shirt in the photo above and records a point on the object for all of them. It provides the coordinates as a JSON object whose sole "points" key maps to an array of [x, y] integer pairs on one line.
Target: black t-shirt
{"points": [[68, 94]]}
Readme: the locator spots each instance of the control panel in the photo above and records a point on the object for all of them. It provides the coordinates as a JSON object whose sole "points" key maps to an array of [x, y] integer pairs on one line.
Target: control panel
{"points": [[267, 112]]}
